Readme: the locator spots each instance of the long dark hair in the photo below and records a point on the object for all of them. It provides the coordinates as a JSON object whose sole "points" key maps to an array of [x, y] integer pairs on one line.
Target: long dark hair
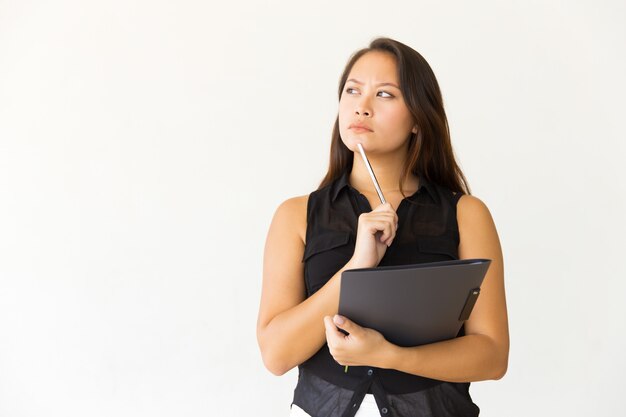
{"points": [[430, 151]]}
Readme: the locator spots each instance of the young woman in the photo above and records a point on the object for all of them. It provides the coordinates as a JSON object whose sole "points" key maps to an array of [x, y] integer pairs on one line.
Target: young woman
{"points": [[390, 102]]}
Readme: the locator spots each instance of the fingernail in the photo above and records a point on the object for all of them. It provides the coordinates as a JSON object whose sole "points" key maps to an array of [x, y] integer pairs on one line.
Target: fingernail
{"points": [[339, 319]]}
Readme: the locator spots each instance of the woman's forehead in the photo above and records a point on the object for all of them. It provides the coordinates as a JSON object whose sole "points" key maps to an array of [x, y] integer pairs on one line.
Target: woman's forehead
{"points": [[375, 67]]}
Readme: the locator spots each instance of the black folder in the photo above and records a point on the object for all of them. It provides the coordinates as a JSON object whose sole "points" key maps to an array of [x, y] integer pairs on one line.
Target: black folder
{"points": [[413, 304]]}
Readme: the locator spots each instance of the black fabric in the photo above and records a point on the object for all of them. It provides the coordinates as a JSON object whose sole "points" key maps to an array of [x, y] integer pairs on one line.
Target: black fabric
{"points": [[427, 232]]}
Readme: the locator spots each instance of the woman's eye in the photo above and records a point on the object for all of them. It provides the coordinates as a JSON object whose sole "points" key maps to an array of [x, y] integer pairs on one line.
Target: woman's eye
{"points": [[349, 89]]}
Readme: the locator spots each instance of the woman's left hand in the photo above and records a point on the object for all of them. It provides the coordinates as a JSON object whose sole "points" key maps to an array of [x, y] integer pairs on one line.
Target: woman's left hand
{"points": [[362, 347]]}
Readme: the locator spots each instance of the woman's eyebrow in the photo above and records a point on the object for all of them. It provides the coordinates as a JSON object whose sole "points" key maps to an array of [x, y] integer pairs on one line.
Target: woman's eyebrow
{"points": [[378, 85]]}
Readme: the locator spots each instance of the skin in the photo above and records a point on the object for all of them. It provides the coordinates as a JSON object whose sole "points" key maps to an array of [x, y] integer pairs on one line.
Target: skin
{"points": [[291, 328]]}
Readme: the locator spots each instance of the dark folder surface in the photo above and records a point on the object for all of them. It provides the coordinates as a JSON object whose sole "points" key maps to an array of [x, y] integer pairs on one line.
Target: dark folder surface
{"points": [[413, 304]]}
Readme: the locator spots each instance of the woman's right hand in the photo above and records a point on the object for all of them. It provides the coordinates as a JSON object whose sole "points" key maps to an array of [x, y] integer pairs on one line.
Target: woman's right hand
{"points": [[375, 233]]}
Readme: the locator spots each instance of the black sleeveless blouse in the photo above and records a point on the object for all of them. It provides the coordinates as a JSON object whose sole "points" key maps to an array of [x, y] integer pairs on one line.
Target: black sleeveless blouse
{"points": [[427, 232]]}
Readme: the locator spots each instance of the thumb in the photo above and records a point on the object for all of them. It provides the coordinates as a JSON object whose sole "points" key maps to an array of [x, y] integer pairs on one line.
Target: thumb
{"points": [[346, 324]]}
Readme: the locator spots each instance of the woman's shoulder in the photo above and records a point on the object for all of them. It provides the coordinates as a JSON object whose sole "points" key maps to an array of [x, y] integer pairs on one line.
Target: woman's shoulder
{"points": [[473, 214], [294, 205], [293, 212], [468, 203]]}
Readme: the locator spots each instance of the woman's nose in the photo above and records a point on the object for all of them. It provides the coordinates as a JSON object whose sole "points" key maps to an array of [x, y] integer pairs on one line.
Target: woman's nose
{"points": [[363, 108]]}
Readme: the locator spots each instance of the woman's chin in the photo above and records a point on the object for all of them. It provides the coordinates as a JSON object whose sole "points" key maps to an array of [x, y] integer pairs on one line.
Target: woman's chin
{"points": [[351, 143]]}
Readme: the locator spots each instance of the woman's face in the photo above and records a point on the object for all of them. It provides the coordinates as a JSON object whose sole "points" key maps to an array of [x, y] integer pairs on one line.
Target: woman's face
{"points": [[372, 97]]}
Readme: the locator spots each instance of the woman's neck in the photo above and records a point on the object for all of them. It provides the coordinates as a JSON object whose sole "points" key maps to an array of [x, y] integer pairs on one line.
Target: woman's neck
{"points": [[388, 170]]}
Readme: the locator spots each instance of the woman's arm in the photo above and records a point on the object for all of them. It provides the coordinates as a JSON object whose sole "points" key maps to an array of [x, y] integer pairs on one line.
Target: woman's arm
{"points": [[481, 354], [290, 327]]}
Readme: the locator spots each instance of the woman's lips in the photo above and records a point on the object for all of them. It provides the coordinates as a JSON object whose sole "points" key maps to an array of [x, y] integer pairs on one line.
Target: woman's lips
{"points": [[360, 130]]}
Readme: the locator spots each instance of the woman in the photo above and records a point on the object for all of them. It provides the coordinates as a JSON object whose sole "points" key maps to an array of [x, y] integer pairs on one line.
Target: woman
{"points": [[390, 102]]}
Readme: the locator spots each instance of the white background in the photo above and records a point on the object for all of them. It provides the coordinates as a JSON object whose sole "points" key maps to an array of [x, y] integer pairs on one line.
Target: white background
{"points": [[145, 145]]}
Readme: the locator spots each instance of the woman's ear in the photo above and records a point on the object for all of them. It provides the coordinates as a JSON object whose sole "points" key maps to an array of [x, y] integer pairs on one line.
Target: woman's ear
{"points": [[414, 130]]}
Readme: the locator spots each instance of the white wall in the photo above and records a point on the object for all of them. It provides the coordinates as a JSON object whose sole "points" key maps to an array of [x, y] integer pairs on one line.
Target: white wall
{"points": [[144, 146]]}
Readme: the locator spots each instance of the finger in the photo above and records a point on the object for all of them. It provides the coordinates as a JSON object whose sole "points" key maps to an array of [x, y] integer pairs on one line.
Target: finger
{"points": [[374, 227], [381, 215], [332, 334], [386, 207], [387, 213], [387, 233], [347, 324], [387, 217], [382, 226], [394, 231], [378, 222]]}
